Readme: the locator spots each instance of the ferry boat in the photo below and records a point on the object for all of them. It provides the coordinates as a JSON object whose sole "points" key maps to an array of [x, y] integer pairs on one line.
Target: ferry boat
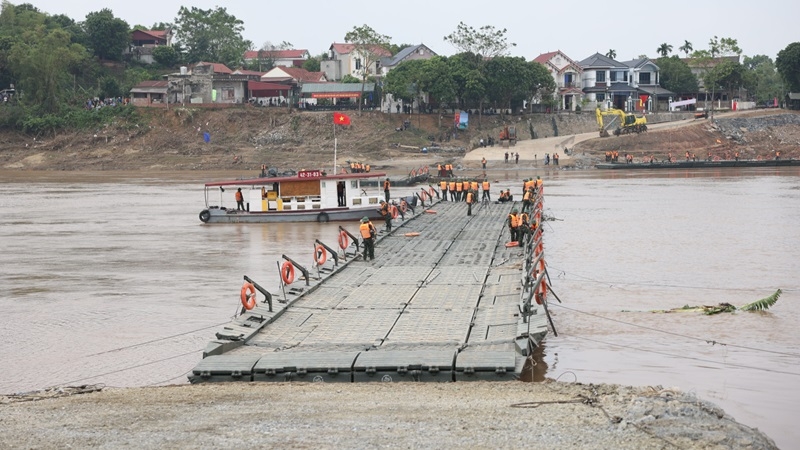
{"points": [[308, 196]]}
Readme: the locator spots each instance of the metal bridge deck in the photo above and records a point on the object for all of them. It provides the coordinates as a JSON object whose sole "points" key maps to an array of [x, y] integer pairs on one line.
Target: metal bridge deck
{"points": [[442, 306]]}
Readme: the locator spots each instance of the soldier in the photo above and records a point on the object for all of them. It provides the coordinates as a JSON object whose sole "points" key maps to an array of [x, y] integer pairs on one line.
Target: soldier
{"points": [[368, 232]]}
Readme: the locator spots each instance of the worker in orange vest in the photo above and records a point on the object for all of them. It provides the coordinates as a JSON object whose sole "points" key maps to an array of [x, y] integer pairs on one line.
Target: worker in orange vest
{"points": [[470, 201], [451, 186], [513, 221], [239, 200], [443, 188], [459, 188], [386, 186], [485, 186], [368, 233]]}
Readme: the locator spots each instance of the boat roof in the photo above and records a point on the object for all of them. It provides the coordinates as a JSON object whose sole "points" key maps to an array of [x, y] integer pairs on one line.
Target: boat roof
{"points": [[271, 180]]}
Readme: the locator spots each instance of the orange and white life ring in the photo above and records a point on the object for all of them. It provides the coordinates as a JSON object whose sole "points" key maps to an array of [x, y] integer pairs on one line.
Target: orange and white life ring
{"points": [[287, 272], [393, 210], [320, 255], [423, 195], [541, 292], [248, 296], [431, 192], [344, 240], [403, 207]]}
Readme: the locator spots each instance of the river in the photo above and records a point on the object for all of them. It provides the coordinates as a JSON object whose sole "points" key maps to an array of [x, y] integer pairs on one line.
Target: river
{"points": [[110, 278]]}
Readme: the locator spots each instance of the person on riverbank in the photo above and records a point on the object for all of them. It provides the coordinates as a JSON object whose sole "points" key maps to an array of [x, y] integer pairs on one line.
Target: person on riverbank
{"points": [[470, 201], [483, 162], [239, 200], [443, 188], [513, 221], [368, 233], [387, 215], [386, 186], [485, 185]]}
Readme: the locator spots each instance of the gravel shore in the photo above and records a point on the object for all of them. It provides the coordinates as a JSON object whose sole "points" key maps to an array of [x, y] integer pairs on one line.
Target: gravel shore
{"points": [[374, 415]]}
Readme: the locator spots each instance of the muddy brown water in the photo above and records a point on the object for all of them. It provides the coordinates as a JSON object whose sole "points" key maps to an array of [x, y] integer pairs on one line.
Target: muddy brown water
{"points": [[110, 278]]}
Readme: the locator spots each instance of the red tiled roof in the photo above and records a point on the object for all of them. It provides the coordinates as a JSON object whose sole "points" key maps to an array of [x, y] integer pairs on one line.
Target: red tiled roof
{"points": [[155, 34], [218, 67], [277, 54], [249, 72], [545, 57], [344, 49]]}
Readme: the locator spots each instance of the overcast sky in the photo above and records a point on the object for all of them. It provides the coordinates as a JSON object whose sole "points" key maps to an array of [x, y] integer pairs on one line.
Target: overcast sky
{"points": [[578, 28]]}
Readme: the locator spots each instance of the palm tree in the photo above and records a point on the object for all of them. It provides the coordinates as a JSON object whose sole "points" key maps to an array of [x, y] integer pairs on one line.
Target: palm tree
{"points": [[664, 50], [612, 53], [686, 48]]}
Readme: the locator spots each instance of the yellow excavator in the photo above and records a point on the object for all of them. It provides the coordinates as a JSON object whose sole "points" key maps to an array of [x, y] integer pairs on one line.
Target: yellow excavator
{"points": [[628, 123]]}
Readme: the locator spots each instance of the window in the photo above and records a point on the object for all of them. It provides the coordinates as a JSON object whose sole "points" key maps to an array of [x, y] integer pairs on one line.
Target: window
{"points": [[644, 78], [358, 63], [600, 96], [601, 76]]}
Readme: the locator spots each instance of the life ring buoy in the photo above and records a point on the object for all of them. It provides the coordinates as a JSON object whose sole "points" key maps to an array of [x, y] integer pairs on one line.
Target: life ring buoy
{"points": [[320, 255], [423, 195], [344, 240], [248, 296], [431, 192], [512, 244], [393, 210], [411, 234], [541, 292], [403, 207], [287, 272], [205, 216], [539, 250]]}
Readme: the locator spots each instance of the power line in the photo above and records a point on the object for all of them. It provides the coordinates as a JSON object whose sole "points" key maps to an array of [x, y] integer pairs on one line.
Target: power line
{"points": [[133, 367], [157, 340]]}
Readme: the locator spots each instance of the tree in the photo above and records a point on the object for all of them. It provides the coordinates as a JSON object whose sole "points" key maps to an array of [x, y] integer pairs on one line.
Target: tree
{"points": [[469, 80], [664, 50], [686, 48], [611, 54], [486, 41], [788, 64], [166, 56], [211, 35], [676, 76], [312, 64], [761, 79], [42, 62], [727, 75], [437, 81], [404, 82], [106, 35], [349, 79], [369, 45]]}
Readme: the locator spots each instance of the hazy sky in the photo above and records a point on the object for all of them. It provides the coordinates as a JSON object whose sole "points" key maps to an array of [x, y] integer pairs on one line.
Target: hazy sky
{"points": [[578, 28]]}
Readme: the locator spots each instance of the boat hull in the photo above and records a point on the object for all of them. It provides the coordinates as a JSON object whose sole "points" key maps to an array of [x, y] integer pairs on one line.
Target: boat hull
{"points": [[219, 215]]}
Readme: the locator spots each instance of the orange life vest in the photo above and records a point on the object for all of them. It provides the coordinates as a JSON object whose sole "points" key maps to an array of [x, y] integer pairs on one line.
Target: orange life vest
{"points": [[443, 185], [386, 185], [452, 186], [239, 196], [474, 185], [365, 230], [469, 197], [485, 186], [514, 220]]}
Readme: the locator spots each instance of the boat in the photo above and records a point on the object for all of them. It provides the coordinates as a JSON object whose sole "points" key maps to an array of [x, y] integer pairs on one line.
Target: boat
{"points": [[308, 196], [700, 164]]}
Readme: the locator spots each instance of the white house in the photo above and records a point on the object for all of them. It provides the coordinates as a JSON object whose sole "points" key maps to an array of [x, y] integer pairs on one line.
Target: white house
{"points": [[345, 59], [567, 75]]}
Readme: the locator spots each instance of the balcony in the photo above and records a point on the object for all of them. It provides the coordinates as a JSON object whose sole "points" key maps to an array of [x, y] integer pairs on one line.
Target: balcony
{"points": [[568, 85]]}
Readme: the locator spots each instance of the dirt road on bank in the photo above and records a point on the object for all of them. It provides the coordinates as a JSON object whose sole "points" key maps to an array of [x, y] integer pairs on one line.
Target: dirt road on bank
{"points": [[373, 415]]}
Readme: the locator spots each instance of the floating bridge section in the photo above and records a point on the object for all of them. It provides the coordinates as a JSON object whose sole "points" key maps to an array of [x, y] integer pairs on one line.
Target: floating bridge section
{"points": [[452, 303]]}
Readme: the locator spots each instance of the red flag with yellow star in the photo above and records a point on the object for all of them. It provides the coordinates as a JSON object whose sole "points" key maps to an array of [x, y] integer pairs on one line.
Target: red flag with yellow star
{"points": [[341, 119]]}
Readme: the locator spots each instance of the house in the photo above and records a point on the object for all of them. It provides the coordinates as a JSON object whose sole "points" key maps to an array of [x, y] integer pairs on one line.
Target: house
{"points": [[567, 75], [644, 75], [605, 82], [291, 77], [345, 59], [207, 83], [411, 53], [144, 41], [149, 92], [275, 58], [699, 67]]}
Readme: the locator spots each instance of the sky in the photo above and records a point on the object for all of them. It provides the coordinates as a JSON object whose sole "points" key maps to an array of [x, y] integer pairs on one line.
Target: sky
{"points": [[578, 28]]}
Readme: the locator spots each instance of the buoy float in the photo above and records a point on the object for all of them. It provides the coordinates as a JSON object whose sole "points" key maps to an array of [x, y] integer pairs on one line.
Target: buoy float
{"points": [[430, 211], [320, 255], [512, 244], [411, 234], [248, 296], [344, 240], [287, 272]]}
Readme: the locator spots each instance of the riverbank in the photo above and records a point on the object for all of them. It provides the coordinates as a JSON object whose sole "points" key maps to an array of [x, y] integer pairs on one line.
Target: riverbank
{"points": [[371, 415]]}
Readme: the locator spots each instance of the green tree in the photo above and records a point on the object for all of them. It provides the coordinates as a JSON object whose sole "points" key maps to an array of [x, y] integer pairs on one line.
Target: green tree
{"points": [[312, 64], [370, 46], [486, 41], [727, 75], [42, 63], [211, 35], [349, 79], [513, 80], [404, 82], [166, 56], [611, 54], [675, 75], [107, 36], [761, 79], [77, 34], [469, 80], [788, 64], [686, 48], [664, 50]]}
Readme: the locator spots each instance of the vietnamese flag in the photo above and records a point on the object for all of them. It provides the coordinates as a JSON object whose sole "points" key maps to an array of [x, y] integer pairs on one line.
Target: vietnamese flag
{"points": [[341, 119]]}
